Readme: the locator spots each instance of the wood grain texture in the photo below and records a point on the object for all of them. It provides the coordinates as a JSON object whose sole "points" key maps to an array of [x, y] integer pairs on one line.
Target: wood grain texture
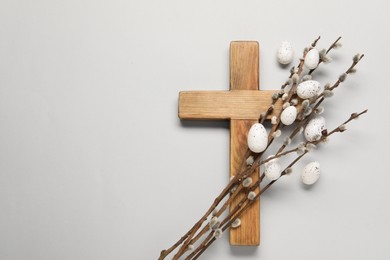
{"points": [[244, 75], [224, 105], [248, 234]]}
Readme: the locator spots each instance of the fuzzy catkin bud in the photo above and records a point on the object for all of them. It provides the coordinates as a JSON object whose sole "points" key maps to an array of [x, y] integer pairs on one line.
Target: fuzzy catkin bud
{"points": [[233, 189], [294, 102], [274, 120], [247, 182], [285, 96], [307, 111], [319, 110], [287, 89], [275, 96], [301, 145], [306, 77], [286, 105], [191, 247], [310, 146], [300, 116], [300, 131], [295, 78], [213, 221], [352, 71], [343, 77], [250, 160], [354, 115], [324, 58], [236, 223], [277, 134], [328, 93], [301, 149], [305, 103], [343, 128], [338, 45], [218, 233], [216, 225], [287, 141], [356, 57], [251, 195], [288, 171]]}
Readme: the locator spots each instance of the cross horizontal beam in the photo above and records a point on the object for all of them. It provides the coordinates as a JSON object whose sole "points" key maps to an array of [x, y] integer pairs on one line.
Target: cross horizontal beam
{"points": [[222, 105]]}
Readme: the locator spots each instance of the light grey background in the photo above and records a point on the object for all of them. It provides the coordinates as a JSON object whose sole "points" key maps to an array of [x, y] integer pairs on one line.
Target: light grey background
{"points": [[95, 164]]}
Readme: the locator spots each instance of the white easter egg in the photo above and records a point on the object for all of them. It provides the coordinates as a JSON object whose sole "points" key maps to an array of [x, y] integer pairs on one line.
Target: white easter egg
{"points": [[311, 173], [257, 138], [285, 53], [312, 59], [272, 169], [309, 89], [314, 128], [289, 115]]}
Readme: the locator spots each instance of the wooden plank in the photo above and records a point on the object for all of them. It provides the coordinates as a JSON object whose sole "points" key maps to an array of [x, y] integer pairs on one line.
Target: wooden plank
{"points": [[222, 105], [244, 75], [248, 234]]}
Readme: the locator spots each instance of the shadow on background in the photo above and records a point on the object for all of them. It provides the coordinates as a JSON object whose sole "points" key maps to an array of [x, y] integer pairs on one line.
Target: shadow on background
{"points": [[205, 123], [244, 251]]}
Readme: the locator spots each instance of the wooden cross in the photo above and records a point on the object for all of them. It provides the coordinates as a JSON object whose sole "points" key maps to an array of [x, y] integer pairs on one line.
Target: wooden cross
{"points": [[242, 105]]}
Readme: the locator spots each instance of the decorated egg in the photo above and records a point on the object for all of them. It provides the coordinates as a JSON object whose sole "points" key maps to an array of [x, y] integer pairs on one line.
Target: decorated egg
{"points": [[312, 59], [289, 115], [314, 128], [272, 169], [285, 53], [257, 138], [309, 89], [311, 173]]}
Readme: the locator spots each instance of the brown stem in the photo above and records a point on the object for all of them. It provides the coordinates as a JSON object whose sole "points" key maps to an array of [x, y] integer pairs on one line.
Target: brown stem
{"points": [[245, 202], [353, 116], [333, 45], [236, 212], [189, 235], [348, 71], [219, 213], [270, 109], [301, 124], [327, 51], [320, 98], [292, 90], [188, 238]]}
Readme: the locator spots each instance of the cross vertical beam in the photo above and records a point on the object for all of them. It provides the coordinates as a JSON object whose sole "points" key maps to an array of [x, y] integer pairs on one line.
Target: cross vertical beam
{"points": [[244, 75]]}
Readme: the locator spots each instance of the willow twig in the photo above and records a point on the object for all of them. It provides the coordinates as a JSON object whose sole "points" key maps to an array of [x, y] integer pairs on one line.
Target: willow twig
{"points": [[235, 187], [245, 202]]}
